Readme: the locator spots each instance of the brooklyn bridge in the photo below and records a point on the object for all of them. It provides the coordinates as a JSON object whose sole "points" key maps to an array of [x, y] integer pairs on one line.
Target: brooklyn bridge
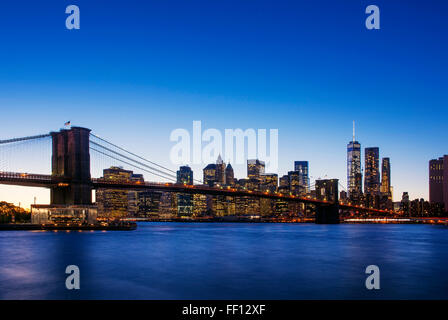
{"points": [[71, 182]]}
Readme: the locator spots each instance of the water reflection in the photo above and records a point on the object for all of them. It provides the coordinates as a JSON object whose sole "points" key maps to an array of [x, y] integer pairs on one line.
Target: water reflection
{"points": [[227, 261]]}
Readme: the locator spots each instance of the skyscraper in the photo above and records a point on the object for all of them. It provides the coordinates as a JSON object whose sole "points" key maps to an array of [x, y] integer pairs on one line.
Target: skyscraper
{"points": [[185, 175], [220, 171], [230, 177], [302, 168], [354, 175], [371, 171], [185, 200], [327, 190], [255, 168], [215, 173], [438, 181], [210, 174], [269, 182], [385, 177], [295, 183]]}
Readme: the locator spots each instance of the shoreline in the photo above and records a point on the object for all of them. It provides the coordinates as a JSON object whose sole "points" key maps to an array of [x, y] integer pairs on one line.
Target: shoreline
{"points": [[67, 227], [131, 224]]}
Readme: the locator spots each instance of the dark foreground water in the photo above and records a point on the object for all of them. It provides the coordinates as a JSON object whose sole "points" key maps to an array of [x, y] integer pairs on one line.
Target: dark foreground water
{"points": [[228, 261]]}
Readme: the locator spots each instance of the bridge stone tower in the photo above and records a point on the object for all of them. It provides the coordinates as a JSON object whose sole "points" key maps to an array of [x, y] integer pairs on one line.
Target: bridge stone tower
{"points": [[71, 164]]}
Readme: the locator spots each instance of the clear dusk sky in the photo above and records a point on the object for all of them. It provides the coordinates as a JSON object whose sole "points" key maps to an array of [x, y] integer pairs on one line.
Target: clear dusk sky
{"points": [[136, 70]]}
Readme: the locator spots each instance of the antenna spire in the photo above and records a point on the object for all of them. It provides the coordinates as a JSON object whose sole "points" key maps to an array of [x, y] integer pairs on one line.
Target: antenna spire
{"points": [[353, 130]]}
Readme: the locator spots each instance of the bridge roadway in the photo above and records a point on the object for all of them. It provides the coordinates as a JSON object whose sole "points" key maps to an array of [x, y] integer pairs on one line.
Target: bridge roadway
{"points": [[48, 181]]}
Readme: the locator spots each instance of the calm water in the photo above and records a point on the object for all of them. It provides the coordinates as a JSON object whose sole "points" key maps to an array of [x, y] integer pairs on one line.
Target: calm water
{"points": [[228, 261]]}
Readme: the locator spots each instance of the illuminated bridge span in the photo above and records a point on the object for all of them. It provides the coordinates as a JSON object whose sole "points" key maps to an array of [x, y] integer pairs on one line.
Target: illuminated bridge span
{"points": [[71, 183]]}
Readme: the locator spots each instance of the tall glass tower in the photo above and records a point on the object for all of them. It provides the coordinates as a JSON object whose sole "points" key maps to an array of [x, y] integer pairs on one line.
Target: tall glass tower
{"points": [[372, 171], [354, 175], [302, 168], [385, 177]]}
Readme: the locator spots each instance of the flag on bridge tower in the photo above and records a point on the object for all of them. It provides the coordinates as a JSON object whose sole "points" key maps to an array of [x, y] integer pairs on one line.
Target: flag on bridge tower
{"points": [[67, 124]]}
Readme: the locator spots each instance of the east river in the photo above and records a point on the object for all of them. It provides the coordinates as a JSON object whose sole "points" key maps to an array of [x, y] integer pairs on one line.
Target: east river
{"points": [[228, 261]]}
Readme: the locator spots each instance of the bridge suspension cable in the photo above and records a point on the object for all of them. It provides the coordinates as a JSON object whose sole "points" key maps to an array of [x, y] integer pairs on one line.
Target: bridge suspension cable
{"points": [[130, 159], [25, 138], [133, 165], [131, 153], [15, 154], [171, 173]]}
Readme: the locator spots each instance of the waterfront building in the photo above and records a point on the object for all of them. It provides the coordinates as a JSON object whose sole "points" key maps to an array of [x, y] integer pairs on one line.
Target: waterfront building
{"points": [[371, 171], [438, 181], [327, 190], [184, 204], [168, 205], [404, 205], [185, 200], [281, 207], [302, 168], [216, 205], [241, 205], [133, 196], [147, 204], [354, 175], [267, 207], [115, 203], [73, 214], [199, 205]]}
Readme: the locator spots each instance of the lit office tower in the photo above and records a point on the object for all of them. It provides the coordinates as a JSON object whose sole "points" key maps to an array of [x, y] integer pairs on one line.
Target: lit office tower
{"points": [[230, 180], [185, 200], [438, 181], [185, 175], [385, 177], [114, 203], [371, 171], [215, 173], [210, 175], [302, 168], [255, 168], [327, 190], [220, 171], [295, 183], [354, 175]]}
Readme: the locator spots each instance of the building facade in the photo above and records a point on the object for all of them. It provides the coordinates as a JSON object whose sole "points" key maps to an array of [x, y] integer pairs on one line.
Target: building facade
{"points": [[371, 171], [255, 168], [185, 175], [114, 203], [185, 200], [438, 181], [354, 174], [327, 190], [385, 177], [302, 168]]}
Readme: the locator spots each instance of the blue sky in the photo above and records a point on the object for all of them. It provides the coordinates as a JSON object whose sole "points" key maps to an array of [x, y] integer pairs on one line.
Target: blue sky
{"points": [[137, 70]]}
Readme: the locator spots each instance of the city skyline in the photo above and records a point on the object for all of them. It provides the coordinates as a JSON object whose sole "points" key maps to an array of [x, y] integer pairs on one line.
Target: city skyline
{"points": [[286, 67], [244, 174]]}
